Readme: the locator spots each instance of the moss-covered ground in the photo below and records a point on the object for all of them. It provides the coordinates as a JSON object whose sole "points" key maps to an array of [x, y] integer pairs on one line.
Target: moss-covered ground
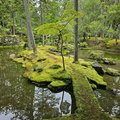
{"points": [[46, 68]]}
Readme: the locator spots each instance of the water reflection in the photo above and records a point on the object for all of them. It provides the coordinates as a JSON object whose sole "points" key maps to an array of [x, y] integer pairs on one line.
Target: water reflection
{"points": [[110, 100], [19, 100]]}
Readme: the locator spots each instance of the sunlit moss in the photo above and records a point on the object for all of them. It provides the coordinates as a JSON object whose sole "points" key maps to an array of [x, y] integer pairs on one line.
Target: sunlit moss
{"points": [[19, 60], [40, 77], [58, 83], [112, 43]]}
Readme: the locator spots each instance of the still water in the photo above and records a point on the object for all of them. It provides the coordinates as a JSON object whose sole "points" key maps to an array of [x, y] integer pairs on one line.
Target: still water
{"points": [[20, 100], [109, 100]]}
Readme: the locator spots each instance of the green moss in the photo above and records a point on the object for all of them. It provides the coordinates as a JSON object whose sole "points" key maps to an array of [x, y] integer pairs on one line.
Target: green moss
{"points": [[83, 63], [90, 74], [62, 75], [40, 77], [28, 65], [58, 83], [19, 60], [111, 44], [55, 66], [96, 55], [38, 69], [93, 86]]}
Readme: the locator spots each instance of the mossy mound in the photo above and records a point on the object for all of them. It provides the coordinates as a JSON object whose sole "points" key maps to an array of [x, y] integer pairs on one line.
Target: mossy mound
{"points": [[47, 67], [57, 85]]}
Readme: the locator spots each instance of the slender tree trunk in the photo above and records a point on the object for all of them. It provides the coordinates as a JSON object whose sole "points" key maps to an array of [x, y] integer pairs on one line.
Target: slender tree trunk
{"points": [[29, 28], [41, 16], [43, 40], [21, 28], [13, 23], [110, 34], [63, 61], [3, 26], [76, 33], [102, 22]]}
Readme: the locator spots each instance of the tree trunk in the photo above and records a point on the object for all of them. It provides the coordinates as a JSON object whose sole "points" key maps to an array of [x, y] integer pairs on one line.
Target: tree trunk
{"points": [[63, 61], [43, 40], [21, 28], [76, 33], [13, 23], [102, 22], [29, 28], [41, 16]]}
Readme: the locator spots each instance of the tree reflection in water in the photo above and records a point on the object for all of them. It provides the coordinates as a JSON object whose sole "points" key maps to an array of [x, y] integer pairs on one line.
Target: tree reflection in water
{"points": [[19, 100]]}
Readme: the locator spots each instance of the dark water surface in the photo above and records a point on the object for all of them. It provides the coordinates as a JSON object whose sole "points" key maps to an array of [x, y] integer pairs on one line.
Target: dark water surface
{"points": [[109, 100], [19, 100]]}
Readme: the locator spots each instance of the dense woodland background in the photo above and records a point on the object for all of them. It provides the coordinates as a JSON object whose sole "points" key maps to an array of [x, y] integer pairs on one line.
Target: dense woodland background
{"points": [[101, 18]]}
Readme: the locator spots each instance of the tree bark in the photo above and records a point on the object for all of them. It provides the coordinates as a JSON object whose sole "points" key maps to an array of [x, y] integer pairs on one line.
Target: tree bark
{"points": [[29, 28], [76, 33], [13, 22]]}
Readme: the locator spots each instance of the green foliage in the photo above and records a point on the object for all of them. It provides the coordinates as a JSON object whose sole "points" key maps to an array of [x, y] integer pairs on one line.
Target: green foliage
{"points": [[95, 27], [68, 37], [50, 28], [69, 16], [83, 44]]}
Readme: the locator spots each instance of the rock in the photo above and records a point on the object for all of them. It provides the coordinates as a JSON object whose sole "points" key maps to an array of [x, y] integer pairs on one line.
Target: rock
{"points": [[98, 67], [12, 56], [108, 61], [112, 72], [9, 40]]}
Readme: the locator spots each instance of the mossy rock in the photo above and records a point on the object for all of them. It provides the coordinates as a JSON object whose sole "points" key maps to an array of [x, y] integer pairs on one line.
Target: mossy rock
{"points": [[94, 77], [112, 72], [57, 85], [90, 73], [108, 61]]}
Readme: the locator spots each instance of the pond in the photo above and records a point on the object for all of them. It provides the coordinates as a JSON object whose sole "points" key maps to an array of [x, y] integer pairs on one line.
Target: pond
{"points": [[109, 100], [20, 100]]}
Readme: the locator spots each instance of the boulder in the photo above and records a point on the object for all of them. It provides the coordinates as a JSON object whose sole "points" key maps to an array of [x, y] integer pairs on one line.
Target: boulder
{"points": [[98, 67], [12, 56], [112, 72]]}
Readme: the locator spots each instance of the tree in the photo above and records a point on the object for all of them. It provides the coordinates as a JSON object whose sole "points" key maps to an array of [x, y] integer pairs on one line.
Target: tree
{"points": [[60, 28], [95, 28], [30, 34], [76, 33]]}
